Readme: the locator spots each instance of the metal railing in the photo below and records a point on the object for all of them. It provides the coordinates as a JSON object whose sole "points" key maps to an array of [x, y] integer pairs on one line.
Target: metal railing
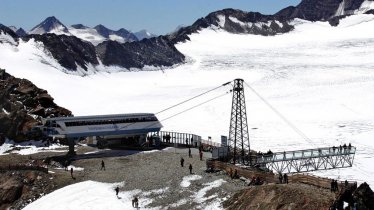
{"points": [[307, 160], [170, 137]]}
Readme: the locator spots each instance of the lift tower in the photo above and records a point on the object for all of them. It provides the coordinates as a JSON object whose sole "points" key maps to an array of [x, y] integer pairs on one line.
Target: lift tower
{"points": [[238, 134]]}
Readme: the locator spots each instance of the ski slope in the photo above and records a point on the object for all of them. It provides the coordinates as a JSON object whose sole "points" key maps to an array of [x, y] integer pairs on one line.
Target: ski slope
{"points": [[320, 77]]}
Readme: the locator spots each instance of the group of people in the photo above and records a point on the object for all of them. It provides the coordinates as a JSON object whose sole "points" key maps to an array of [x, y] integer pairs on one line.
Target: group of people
{"points": [[265, 155], [343, 148], [334, 185], [135, 202], [283, 179]]}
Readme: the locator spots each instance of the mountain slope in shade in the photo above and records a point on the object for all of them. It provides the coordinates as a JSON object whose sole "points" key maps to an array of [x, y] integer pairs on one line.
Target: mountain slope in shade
{"points": [[19, 31], [122, 35], [156, 51], [70, 51]]}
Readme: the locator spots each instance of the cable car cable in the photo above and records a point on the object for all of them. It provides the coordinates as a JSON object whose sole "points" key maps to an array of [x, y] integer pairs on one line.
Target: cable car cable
{"points": [[194, 97], [280, 115]]}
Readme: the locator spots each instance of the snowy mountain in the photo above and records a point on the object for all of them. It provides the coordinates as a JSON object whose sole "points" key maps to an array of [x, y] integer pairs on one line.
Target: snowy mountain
{"points": [[50, 25], [7, 36], [100, 33], [160, 51], [144, 34]]}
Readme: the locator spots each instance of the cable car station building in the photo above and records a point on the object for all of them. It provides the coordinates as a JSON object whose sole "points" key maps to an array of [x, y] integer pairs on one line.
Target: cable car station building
{"points": [[124, 129]]}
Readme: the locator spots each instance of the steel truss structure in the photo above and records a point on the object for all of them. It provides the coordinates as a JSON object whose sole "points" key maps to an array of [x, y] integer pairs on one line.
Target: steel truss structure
{"points": [[238, 134], [307, 160]]}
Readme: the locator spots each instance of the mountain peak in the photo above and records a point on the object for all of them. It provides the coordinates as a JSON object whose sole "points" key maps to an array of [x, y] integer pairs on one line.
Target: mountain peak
{"points": [[103, 31], [79, 26], [50, 25], [144, 34], [20, 32]]}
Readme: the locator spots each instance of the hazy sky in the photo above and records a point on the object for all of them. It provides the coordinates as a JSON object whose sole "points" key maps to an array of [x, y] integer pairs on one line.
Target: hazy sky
{"points": [[157, 16]]}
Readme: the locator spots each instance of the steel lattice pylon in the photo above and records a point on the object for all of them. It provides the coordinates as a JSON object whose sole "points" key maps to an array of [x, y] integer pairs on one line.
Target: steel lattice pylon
{"points": [[238, 134]]}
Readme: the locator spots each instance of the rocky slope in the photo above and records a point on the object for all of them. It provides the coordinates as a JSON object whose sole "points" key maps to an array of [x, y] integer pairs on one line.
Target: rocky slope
{"points": [[22, 104], [156, 51], [316, 10], [69, 51], [234, 21], [275, 196], [298, 196]]}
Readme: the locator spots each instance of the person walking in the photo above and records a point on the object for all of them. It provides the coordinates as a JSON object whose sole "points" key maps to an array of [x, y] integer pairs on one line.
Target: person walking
{"points": [[280, 178], [190, 167], [71, 172], [182, 162], [285, 178], [189, 152], [117, 191], [102, 165], [201, 155], [135, 202]]}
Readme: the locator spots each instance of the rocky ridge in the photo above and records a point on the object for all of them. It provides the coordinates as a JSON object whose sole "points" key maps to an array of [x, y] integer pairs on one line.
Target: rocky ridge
{"points": [[22, 105]]}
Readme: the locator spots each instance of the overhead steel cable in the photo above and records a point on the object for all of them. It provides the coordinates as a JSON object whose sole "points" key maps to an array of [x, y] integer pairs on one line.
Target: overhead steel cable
{"points": [[200, 104], [180, 103], [193, 97], [281, 116]]}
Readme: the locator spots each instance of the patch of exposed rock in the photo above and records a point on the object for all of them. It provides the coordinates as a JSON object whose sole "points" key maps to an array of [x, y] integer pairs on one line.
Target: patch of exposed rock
{"points": [[18, 188], [157, 51], [22, 105], [275, 196]]}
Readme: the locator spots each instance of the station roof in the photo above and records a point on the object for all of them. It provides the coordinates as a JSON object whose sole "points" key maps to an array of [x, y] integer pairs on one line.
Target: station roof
{"points": [[99, 117]]}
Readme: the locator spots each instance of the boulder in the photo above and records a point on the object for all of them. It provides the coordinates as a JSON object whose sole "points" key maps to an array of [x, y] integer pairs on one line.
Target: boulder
{"points": [[10, 190], [363, 196]]}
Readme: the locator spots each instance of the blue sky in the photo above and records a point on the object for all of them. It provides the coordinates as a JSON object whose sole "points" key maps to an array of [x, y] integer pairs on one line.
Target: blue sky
{"points": [[157, 16]]}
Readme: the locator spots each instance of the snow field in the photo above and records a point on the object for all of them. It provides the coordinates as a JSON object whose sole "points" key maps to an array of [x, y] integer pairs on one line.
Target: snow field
{"points": [[95, 195]]}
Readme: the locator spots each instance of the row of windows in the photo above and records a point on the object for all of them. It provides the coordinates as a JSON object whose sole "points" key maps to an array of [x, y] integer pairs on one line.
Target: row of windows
{"points": [[104, 122]]}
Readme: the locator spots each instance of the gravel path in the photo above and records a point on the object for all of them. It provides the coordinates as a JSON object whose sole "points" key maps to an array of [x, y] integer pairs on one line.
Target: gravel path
{"points": [[158, 176]]}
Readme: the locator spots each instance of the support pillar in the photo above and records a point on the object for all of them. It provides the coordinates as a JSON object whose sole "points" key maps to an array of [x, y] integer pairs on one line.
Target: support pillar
{"points": [[71, 143], [238, 133]]}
